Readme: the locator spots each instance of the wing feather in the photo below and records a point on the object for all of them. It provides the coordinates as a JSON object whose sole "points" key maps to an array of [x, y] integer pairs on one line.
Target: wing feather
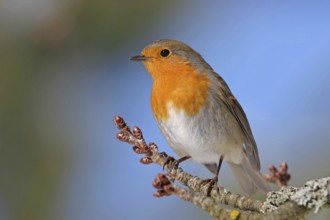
{"points": [[237, 111]]}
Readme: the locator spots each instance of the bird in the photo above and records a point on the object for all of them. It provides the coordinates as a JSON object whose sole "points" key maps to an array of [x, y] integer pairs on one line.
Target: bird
{"points": [[198, 114]]}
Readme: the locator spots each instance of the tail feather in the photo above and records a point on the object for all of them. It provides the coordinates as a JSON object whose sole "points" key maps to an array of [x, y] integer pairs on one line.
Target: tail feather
{"points": [[248, 177]]}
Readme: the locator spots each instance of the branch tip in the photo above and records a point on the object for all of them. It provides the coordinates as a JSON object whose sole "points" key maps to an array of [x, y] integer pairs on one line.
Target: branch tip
{"points": [[138, 150], [122, 137], [279, 176], [164, 185], [119, 122], [146, 160], [137, 133], [153, 146]]}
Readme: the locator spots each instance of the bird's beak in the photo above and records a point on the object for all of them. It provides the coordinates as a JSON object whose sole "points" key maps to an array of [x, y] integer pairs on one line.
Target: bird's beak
{"points": [[139, 58]]}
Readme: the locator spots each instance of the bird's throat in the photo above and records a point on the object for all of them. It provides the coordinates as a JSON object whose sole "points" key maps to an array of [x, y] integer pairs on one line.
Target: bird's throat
{"points": [[185, 91]]}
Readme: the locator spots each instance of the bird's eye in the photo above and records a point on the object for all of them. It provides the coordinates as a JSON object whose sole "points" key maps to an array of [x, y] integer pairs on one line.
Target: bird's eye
{"points": [[164, 53]]}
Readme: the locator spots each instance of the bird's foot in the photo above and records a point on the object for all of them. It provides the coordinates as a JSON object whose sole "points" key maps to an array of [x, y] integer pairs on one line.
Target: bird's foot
{"points": [[169, 160], [213, 182], [173, 162]]}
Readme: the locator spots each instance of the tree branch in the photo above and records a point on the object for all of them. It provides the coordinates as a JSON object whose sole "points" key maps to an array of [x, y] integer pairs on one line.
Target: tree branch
{"points": [[287, 203]]}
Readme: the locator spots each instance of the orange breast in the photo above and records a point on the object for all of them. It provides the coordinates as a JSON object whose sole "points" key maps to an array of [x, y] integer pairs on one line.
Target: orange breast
{"points": [[182, 87]]}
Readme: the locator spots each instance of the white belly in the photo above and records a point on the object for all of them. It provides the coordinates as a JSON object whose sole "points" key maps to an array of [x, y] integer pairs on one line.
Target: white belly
{"points": [[202, 137]]}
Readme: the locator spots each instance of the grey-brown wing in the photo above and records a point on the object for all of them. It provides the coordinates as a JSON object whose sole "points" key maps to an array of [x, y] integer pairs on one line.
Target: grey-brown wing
{"points": [[235, 108]]}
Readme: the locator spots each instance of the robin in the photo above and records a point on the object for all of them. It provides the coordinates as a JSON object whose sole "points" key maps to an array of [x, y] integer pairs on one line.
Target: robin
{"points": [[198, 114]]}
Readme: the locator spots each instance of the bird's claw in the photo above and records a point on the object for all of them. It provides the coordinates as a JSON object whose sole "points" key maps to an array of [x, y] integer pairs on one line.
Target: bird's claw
{"points": [[172, 161], [213, 182]]}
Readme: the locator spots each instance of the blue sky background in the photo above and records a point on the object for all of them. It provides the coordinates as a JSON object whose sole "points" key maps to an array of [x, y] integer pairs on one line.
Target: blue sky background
{"points": [[274, 55]]}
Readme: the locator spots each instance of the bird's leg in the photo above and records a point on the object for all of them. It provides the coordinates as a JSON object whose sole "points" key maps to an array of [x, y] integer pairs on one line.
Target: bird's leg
{"points": [[175, 163], [214, 181]]}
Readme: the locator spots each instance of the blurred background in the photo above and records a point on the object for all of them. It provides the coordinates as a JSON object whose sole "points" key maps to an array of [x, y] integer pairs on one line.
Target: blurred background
{"points": [[65, 74]]}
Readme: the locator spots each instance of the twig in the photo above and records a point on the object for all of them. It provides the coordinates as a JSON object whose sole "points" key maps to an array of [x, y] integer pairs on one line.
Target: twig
{"points": [[287, 203], [165, 187], [153, 155], [279, 176]]}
